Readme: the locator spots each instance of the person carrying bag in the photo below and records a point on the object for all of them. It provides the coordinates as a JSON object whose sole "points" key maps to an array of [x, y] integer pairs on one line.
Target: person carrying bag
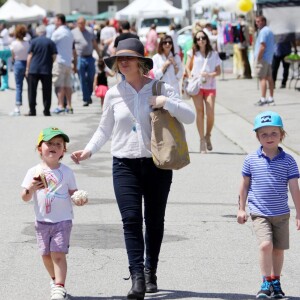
{"points": [[168, 143], [194, 83]]}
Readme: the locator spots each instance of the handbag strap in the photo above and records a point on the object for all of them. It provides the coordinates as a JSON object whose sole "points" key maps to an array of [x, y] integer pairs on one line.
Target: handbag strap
{"points": [[156, 87], [204, 64]]}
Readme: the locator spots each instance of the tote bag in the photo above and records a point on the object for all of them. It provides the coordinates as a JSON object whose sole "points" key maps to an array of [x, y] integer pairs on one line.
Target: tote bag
{"points": [[194, 83], [168, 143]]}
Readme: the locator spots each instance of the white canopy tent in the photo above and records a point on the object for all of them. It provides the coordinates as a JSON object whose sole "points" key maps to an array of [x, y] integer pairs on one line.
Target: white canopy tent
{"points": [[12, 11], [153, 8]]}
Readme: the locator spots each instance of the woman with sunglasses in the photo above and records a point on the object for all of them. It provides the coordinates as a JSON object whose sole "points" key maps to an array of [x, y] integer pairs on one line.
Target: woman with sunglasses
{"points": [[126, 117], [205, 62], [167, 65]]}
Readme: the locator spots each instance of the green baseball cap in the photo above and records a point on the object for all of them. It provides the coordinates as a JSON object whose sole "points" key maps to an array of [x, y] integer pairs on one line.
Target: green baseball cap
{"points": [[48, 133]]}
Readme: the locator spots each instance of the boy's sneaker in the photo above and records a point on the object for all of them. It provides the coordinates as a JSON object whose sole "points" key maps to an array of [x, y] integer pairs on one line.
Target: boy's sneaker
{"points": [[277, 291], [59, 293], [265, 290], [271, 102], [261, 103]]}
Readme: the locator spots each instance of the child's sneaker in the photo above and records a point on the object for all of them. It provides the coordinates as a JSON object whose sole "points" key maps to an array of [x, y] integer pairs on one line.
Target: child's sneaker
{"points": [[59, 293], [265, 290], [52, 286], [277, 291], [271, 102]]}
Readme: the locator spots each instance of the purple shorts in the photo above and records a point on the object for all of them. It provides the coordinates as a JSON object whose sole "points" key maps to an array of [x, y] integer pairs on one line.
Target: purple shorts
{"points": [[53, 237]]}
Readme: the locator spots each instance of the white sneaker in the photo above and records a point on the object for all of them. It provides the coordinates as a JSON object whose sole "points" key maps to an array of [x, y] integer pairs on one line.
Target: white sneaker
{"points": [[59, 293], [52, 286], [271, 102]]}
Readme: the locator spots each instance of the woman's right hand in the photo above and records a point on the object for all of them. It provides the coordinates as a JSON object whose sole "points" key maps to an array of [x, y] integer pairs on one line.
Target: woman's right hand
{"points": [[80, 155]]}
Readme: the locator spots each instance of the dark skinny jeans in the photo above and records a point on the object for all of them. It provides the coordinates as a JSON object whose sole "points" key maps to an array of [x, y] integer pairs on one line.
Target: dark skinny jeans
{"points": [[135, 179]]}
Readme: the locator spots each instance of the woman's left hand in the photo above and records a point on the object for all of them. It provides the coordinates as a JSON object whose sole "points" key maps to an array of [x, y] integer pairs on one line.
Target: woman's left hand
{"points": [[157, 101]]}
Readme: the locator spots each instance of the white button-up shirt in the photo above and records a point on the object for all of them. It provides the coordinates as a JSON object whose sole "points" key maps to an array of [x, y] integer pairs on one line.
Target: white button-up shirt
{"points": [[126, 117]]}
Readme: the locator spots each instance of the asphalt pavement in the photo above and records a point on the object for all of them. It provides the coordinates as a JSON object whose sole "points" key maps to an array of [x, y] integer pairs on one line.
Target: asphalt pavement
{"points": [[205, 253]]}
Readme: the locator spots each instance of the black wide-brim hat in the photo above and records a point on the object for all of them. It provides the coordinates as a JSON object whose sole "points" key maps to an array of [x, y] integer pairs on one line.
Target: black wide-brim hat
{"points": [[129, 47]]}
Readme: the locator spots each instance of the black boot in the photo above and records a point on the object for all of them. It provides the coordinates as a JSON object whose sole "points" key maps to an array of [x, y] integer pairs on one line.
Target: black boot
{"points": [[151, 281], [138, 288]]}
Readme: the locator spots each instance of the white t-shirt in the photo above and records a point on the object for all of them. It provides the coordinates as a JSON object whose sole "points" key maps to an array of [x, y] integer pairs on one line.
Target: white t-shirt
{"points": [[53, 204], [169, 76], [20, 49], [4, 37], [107, 32], [212, 62]]}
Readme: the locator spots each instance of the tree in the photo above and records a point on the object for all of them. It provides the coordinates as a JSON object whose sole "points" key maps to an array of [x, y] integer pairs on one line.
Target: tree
{"points": [[2, 2]]}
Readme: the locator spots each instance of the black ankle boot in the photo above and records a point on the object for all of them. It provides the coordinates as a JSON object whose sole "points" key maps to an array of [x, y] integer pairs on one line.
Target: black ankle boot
{"points": [[138, 288], [151, 281]]}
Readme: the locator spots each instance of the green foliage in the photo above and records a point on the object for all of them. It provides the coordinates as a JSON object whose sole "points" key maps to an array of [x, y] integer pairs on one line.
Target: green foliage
{"points": [[2, 2]]}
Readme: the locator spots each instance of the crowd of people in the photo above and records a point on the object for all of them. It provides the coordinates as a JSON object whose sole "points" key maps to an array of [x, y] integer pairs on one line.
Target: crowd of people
{"points": [[53, 58]]}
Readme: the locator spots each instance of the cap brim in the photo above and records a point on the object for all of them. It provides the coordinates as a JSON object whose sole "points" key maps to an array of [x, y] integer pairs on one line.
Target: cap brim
{"points": [[110, 61]]}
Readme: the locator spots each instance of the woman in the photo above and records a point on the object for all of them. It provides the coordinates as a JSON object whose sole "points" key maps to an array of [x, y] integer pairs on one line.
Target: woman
{"points": [[203, 60], [166, 64], [127, 106], [19, 49]]}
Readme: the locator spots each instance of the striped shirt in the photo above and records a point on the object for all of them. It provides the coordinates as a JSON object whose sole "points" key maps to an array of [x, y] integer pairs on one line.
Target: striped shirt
{"points": [[268, 191]]}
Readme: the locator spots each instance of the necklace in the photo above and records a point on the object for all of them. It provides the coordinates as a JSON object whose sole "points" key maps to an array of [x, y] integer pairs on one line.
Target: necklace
{"points": [[133, 119]]}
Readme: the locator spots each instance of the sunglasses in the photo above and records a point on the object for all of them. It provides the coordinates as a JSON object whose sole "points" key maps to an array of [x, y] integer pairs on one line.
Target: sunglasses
{"points": [[167, 42], [201, 38]]}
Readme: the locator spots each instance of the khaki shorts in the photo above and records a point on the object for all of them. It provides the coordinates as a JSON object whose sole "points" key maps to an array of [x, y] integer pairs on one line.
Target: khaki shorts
{"points": [[274, 229], [61, 75], [263, 69]]}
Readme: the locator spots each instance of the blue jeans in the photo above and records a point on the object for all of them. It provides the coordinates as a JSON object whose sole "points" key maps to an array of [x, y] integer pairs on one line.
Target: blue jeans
{"points": [[135, 179], [19, 71], [86, 71]]}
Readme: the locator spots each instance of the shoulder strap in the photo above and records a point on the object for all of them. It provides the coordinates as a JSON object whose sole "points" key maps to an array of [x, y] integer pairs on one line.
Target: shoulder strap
{"points": [[156, 87]]}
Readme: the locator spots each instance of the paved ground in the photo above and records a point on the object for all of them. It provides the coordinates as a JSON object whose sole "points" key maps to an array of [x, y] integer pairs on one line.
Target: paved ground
{"points": [[205, 254]]}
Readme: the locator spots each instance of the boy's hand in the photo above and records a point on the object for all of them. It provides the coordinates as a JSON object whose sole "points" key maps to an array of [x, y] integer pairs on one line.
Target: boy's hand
{"points": [[242, 217]]}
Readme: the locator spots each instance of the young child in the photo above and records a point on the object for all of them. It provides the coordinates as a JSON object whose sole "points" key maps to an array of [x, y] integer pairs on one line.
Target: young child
{"points": [[51, 185], [267, 175], [100, 81]]}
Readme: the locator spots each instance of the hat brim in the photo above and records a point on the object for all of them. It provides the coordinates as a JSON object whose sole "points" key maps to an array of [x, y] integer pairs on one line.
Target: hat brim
{"points": [[110, 61]]}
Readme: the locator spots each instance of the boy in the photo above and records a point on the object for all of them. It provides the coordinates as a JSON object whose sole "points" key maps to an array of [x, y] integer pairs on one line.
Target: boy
{"points": [[51, 185], [267, 174]]}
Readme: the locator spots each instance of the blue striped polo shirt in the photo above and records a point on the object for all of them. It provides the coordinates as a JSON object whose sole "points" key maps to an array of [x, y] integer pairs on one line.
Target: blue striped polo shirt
{"points": [[268, 191]]}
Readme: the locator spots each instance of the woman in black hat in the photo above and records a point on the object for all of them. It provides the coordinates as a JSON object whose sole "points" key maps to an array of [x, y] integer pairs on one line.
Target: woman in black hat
{"points": [[126, 116]]}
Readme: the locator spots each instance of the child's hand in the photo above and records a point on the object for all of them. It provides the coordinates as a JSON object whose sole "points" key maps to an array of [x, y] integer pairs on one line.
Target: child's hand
{"points": [[80, 197], [36, 185], [242, 217]]}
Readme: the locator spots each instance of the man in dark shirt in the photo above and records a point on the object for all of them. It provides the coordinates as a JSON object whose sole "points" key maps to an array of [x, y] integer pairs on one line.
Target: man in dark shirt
{"points": [[126, 34], [41, 55]]}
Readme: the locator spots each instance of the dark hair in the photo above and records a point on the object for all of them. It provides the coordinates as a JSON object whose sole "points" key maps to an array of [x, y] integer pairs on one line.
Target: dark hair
{"points": [[125, 25], [20, 31], [160, 49], [208, 47], [101, 64], [62, 18], [262, 18]]}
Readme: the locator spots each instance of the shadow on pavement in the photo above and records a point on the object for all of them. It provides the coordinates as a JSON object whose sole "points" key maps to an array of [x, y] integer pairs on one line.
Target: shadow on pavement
{"points": [[173, 294]]}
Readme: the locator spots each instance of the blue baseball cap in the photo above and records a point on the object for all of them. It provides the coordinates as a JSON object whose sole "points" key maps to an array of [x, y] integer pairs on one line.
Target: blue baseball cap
{"points": [[267, 118]]}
